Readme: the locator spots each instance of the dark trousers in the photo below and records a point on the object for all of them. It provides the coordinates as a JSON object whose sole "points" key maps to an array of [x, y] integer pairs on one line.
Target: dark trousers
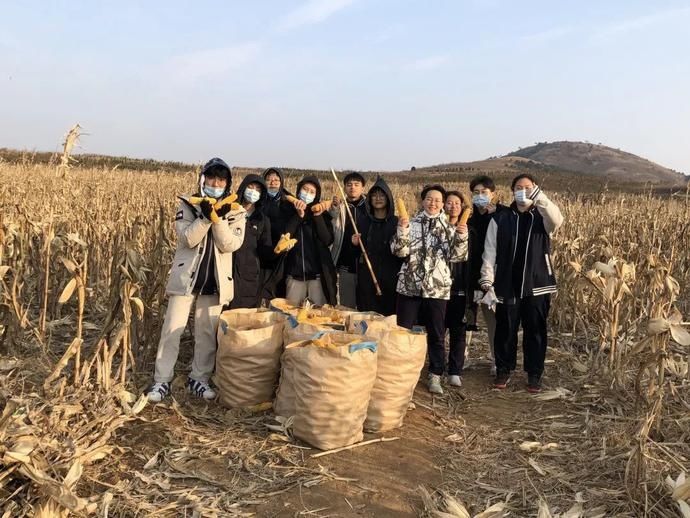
{"points": [[532, 314], [457, 327], [414, 310]]}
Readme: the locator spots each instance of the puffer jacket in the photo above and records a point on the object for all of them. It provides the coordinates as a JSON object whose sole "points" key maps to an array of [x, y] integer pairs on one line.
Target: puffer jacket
{"points": [[192, 229], [429, 245]]}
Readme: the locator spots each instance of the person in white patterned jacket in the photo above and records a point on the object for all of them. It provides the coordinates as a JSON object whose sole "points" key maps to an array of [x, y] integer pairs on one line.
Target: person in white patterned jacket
{"points": [[428, 244]]}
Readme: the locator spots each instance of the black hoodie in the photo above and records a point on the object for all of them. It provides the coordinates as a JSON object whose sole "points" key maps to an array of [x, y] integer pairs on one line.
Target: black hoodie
{"points": [[376, 236], [277, 208], [256, 250], [311, 257]]}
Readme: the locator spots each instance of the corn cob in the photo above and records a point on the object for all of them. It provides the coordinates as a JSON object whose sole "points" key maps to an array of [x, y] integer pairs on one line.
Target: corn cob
{"points": [[228, 199], [196, 200], [284, 244], [290, 198], [322, 206], [466, 213], [401, 209]]}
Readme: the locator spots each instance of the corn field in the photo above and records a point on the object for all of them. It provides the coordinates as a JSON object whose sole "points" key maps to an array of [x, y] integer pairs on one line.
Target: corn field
{"points": [[84, 258]]}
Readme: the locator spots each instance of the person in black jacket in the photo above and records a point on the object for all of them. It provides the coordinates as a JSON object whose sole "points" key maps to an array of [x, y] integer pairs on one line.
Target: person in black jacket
{"points": [[257, 247], [377, 227], [484, 206], [517, 270], [278, 210], [455, 311], [309, 266]]}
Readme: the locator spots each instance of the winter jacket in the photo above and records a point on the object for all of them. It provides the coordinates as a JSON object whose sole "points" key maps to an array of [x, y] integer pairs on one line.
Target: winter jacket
{"points": [[193, 231], [478, 225], [429, 244], [502, 250], [311, 258], [377, 235], [344, 253], [256, 250], [278, 209]]}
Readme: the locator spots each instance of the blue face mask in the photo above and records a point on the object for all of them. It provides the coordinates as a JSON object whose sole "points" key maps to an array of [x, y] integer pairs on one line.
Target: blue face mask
{"points": [[481, 200], [273, 192], [307, 197], [252, 195], [213, 192]]}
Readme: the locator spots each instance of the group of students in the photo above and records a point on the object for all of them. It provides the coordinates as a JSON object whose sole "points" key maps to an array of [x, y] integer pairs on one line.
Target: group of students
{"points": [[432, 269]]}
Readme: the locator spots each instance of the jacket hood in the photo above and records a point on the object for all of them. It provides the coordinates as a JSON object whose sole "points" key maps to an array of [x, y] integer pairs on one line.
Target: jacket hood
{"points": [[252, 178], [216, 163], [381, 184], [281, 175], [314, 180]]}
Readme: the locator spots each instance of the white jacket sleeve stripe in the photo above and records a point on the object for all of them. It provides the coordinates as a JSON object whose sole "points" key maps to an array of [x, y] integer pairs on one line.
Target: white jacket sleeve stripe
{"points": [[488, 268]]}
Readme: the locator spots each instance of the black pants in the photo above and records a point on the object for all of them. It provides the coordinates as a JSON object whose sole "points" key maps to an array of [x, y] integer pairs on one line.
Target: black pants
{"points": [[531, 313], [457, 328], [414, 310]]}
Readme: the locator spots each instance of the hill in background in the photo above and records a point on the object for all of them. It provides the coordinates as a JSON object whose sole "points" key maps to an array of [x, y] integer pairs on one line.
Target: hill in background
{"points": [[602, 161]]}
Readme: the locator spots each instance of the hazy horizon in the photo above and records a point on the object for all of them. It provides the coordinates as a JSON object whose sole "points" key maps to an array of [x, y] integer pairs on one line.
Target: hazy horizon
{"points": [[371, 85]]}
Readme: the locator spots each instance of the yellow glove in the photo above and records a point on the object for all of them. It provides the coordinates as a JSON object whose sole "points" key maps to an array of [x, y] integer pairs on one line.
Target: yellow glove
{"points": [[284, 244]]}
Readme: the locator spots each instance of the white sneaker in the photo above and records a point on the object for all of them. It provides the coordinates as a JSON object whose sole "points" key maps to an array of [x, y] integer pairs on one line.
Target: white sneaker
{"points": [[200, 389], [455, 380], [435, 384], [157, 392]]}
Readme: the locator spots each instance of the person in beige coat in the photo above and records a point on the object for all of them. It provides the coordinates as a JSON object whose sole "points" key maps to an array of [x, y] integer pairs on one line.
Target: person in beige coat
{"points": [[201, 276]]}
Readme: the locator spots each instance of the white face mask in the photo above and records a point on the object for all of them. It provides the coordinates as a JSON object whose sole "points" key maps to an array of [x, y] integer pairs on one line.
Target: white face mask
{"points": [[481, 200], [252, 195], [213, 192], [522, 198], [307, 197]]}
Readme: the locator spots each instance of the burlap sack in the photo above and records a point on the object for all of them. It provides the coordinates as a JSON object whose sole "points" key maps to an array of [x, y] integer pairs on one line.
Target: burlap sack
{"points": [[401, 355], [248, 358], [332, 386]]}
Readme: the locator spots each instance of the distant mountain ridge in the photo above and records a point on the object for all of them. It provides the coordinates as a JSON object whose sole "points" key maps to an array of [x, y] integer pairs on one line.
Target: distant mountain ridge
{"points": [[602, 161]]}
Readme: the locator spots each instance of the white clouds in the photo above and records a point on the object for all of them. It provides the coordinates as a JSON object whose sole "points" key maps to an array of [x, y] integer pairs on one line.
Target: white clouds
{"points": [[197, 65], [427, 63], [622, 27], [547, 35], [312, 12]]}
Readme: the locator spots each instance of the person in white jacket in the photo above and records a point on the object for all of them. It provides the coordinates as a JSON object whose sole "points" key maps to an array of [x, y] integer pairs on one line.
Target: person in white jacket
{"points": [[201, 276]]}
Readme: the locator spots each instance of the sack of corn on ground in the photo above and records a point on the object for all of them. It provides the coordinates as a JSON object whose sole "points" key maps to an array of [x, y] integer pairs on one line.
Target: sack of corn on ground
{"points": [[250, 343], [401, 355], [332, 378], [359, 322]]}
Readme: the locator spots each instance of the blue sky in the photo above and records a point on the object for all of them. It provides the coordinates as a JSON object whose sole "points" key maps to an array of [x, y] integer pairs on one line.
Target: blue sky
{"points": [[366, 84]]}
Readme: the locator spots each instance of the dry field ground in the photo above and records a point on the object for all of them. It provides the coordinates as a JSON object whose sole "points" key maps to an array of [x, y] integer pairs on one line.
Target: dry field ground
{"points": [[84, 256]]}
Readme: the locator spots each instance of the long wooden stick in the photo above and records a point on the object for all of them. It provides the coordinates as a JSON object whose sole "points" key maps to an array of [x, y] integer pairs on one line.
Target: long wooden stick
{"points": [[356, 445], [354, 226]]}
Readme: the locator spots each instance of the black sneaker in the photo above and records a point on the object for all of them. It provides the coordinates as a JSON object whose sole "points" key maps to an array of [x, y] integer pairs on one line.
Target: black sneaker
{"points": [[534, 384], [502, 379]]}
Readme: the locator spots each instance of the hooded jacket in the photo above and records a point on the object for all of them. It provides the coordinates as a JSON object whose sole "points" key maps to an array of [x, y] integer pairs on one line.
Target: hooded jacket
{"points": [[507, 245], [256, 250], [311, 257], [278, 209], [429, 245], [194, 259], [377, 234]]}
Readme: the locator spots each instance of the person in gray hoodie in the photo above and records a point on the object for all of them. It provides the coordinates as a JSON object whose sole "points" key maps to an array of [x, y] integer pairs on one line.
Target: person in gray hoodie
{"points": [[201, 276]]}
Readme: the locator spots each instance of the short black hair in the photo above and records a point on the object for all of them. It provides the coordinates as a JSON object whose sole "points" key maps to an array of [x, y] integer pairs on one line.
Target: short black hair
{"points": [[456, 194], [354, 175], [520, 177], [484, 180], [434, 187]]}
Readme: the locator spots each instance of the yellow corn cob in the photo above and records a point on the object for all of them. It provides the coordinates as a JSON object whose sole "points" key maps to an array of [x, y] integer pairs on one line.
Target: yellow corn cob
{"points": [[322, 206], [290, 198], [196, 200], [302, 315], [228, 199], [466, 213], [284, 244], [401, 209]]}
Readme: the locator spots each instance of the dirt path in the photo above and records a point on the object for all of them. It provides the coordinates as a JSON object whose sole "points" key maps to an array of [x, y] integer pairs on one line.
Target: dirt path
{"points": [[388, 475]]}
